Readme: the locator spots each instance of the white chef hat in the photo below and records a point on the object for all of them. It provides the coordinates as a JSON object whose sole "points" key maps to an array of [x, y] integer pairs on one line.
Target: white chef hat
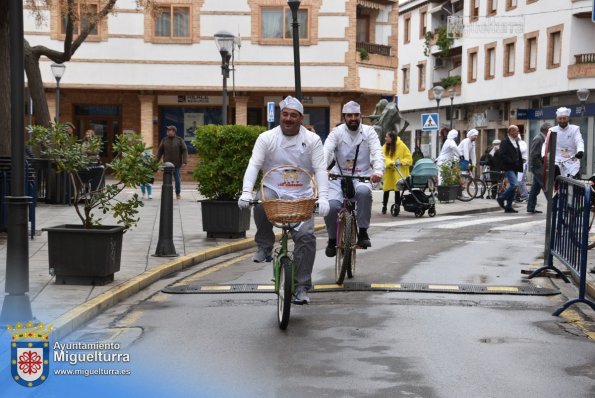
{"points": [[351, 107], [472, 133], [562, 112], [292, 103], [496, 142]]}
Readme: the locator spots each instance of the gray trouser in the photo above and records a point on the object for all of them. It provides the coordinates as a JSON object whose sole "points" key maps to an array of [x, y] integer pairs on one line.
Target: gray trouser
{"points": [[363, 204], [303, 237]]}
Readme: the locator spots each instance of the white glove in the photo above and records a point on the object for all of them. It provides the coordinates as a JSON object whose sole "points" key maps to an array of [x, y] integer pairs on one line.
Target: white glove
{"points": [[323, 207], [244, 201]]}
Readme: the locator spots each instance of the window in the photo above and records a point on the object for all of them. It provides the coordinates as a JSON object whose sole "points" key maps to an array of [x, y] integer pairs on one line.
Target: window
{"points": [[423, 22], [530, 64], [554, 46], [407, 29], [421, 76], [511, 4], [472, 64], [173, 22], [82, 20], [492, 7], [276, 23], [490, 61], [405, 71], [363, 29], [474, 10], [509, 56]]}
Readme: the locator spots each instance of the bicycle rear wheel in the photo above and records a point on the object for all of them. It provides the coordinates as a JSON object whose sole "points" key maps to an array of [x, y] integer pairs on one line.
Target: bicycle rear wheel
{"points": [[481, 188], [284, 294], [344, 244], [468, 189]]}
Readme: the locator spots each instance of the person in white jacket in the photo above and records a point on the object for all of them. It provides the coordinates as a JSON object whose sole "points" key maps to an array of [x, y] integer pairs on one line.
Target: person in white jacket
{"points": [[523, 192], [342, 145], [570, 146], [449, 150], [288, 144], [467, 149]]}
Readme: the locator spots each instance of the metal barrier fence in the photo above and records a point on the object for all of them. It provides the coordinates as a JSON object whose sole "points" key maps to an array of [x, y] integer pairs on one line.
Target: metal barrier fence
{"points": [[570, 235]]}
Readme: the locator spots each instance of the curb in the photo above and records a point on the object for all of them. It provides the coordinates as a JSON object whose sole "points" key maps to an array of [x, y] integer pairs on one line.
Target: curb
{"points": [[72, 319]]}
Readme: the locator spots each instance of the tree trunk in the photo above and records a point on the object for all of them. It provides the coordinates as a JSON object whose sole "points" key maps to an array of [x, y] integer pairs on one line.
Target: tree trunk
{"points": [[40, 105], [5, 135]]}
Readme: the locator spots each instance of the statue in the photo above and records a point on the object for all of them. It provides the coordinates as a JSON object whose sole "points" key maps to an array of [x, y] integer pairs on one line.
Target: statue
{"points": [[386, 117]]}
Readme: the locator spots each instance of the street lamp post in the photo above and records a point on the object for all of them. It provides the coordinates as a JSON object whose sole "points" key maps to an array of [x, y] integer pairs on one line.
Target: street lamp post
{"points": [[58, 72], [294, 5], [225, 42], [438, 91], [451, 95], [583, 96]]}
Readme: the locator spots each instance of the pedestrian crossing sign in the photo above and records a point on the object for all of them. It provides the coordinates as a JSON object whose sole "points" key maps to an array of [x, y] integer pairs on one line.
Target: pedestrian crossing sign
{"points": [[429, 121]]}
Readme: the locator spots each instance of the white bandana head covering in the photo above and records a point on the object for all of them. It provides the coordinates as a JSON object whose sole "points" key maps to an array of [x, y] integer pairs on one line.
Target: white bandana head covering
{"points": [[292, 103], [351, 107], [496, 142], [562, 112], [452, 134], [472, 133]]}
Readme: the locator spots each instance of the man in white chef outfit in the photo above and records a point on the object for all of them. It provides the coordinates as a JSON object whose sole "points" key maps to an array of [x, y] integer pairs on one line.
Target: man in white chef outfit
{"points": [[467, 149], [570, 146], [343, 143], [291, 144]]}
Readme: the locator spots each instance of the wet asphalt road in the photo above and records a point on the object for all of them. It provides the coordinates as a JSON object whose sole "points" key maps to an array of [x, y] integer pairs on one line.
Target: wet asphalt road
{"points": [[367, 344]]}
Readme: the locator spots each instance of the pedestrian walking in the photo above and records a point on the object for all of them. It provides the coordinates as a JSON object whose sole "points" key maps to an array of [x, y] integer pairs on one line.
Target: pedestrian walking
{"points": [[448, 151], [398, 161], [536, 167], [512, 162], [173, 149], [291, 144], [147, 187], [522, 192]]}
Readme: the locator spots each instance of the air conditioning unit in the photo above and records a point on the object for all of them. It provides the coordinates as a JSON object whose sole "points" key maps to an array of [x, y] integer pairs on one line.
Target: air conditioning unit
{"points": [[438, 63]]}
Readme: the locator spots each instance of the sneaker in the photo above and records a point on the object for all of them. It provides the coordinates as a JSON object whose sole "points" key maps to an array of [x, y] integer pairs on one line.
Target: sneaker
{"points": [[262, 256], [510, 210], [300, 297], [150, 197], [331, 248], [500, 202], [178, 196], [534, 211], [363, 239]]}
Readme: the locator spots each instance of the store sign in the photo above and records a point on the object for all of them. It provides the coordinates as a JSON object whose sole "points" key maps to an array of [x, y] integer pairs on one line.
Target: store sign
{"points": [[193, 99], [189, 100]]}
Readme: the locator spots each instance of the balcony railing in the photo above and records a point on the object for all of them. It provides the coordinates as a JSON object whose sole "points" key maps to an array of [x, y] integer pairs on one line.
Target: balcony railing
{"points": [[374, 48], [585, 58]]}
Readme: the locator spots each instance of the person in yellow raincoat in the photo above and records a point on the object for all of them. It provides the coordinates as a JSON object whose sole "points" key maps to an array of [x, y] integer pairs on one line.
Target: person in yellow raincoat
{"points": [[396, 155]]}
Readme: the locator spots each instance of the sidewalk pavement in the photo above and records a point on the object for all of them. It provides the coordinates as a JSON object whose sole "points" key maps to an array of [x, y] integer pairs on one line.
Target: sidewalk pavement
{"points": [[68, 306]]}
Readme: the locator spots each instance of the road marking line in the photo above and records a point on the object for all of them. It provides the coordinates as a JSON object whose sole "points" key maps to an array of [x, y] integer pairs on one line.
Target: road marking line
{"points": [[410, 222], [334, 286], [385, 285], [265, 287], [443, 287], [215, 288], [463, 224], [502, 289], [520, 226]]}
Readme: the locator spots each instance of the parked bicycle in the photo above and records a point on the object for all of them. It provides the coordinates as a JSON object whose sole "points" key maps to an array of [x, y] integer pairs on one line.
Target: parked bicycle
{"points": [[346, 229]]}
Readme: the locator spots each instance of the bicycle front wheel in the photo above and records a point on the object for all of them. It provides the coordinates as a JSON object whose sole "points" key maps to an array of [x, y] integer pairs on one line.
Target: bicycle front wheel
{"points": [[284, 294], [468, 189], [344, 244], [481, 188]]}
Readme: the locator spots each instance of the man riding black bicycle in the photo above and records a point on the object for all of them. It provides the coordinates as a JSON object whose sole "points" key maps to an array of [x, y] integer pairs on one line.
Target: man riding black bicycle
{"points": [[356, 149]]}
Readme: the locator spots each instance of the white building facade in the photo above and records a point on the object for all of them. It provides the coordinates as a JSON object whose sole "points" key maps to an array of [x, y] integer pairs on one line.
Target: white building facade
{"points": [[139, 72], [509, 62]]}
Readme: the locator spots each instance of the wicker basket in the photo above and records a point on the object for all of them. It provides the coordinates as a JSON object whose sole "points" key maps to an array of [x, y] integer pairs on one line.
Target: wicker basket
{"points": [[289, 210]]}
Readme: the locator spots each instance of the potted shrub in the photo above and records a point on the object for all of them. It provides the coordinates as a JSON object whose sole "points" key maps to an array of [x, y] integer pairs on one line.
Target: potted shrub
{"points": [[450, 173], [223, 155], [89, 253]]}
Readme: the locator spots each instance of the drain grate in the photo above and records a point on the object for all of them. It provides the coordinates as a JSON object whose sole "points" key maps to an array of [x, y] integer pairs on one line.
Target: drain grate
{"points": [[528, 290]]}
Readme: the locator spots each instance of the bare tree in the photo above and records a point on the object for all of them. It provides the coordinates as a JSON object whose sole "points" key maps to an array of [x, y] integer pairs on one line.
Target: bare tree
{"points": [[69, 10]]}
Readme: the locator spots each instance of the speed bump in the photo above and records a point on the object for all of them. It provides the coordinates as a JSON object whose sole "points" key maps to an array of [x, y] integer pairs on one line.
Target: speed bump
{"points": [[527, 290]]}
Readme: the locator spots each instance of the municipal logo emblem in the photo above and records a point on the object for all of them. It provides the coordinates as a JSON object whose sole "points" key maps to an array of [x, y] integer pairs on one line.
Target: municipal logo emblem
{"points": [[30, 353]]}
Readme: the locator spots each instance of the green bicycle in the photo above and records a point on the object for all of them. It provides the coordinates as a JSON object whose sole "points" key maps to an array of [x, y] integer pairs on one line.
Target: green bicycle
{"points": [[286, 214]]}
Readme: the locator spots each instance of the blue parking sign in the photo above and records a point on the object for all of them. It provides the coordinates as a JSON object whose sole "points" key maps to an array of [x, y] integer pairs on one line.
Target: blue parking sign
{"points": [[270, 112]]}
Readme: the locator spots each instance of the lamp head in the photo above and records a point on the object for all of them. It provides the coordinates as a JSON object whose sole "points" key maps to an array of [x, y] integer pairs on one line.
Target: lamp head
{"points": [[293, 4], [58, 70], [224, 41], [583, 94], [438, 91], [451, 93]]}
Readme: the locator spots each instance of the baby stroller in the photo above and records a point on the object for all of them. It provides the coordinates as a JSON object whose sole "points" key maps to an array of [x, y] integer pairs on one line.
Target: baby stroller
{"points": [[415, 200]]}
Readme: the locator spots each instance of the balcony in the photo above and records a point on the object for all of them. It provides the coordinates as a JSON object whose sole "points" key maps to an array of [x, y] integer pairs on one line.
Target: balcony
{"points": [[584, 66], [375, 55], [374, 48]]}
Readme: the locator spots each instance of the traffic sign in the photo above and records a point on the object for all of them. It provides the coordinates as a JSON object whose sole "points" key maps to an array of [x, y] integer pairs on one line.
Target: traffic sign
{"points": [[270, 112], [429, 121]]}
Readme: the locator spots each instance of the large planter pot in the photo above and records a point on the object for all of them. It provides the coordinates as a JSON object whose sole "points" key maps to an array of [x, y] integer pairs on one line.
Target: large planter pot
{"points": [[224, 219], [448, 193], [79, 256]]}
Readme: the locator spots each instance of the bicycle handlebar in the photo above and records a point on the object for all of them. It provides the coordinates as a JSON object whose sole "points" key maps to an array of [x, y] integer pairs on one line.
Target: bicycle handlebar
{"points": [[358, 178]]}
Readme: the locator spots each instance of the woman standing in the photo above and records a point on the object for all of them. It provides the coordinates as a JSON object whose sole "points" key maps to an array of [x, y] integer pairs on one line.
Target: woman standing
{"points": [[396, 156]]}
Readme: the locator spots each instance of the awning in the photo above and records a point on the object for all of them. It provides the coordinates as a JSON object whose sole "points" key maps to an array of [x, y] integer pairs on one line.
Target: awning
{"points": [[370, 4]]}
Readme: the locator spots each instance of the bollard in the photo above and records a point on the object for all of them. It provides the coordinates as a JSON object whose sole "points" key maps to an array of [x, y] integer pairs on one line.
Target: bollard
{"points": [[165, 244]]}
